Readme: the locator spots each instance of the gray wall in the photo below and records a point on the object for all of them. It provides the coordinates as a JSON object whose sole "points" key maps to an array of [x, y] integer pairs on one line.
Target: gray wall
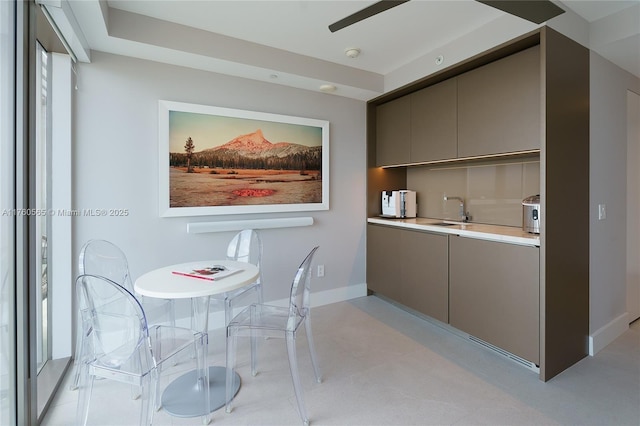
{"points": [[115, 165], [608, 183]]}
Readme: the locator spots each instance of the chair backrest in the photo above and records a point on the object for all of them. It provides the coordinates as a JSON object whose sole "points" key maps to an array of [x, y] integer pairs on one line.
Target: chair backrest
{"points": [[105, 259], [119, 333], [245, 247], [300, 291]]}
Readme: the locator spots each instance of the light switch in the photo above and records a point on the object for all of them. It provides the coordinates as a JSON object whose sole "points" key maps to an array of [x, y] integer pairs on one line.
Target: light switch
{"points": [[602, 212]]}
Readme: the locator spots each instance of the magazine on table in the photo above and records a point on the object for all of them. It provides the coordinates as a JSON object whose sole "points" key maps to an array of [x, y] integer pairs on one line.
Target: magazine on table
{"points": [[207, 272]]}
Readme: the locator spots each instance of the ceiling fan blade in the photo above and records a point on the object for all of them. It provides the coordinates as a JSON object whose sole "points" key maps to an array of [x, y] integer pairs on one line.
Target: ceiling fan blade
{"points": [[537, 11], [365, 13]]}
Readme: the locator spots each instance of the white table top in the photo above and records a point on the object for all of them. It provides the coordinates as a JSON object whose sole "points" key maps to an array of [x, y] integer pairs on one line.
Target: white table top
{"points": [[164, 284]]}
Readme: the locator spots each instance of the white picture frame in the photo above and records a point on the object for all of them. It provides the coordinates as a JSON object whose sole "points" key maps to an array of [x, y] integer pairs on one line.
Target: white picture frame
{"points": [[234, 166]]}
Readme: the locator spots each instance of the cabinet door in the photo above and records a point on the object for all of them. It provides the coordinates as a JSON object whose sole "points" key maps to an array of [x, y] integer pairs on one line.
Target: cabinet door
{"points": [[383, 261], [494, 294], [393, 133], [499, 106], [434, 133], [425, 285]]}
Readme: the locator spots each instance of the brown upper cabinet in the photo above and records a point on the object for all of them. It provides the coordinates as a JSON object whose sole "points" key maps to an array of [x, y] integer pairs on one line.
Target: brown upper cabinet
{"points": [[434, 122], [393, 132], [418, 127], [490, 110], [499, 106]]}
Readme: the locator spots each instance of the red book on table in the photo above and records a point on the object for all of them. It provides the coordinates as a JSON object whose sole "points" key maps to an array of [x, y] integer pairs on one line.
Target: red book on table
{"points": [[209, 273]]}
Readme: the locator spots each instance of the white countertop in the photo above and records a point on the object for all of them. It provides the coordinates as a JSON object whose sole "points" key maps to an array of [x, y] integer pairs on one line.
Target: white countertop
{"points": [[506, 234]]}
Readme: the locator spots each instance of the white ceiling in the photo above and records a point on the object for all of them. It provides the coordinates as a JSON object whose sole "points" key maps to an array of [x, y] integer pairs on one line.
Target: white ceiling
{"points": [[387, 40], [288, 42]]}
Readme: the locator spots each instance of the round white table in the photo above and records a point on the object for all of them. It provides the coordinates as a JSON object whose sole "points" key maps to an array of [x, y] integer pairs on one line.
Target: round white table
{"points": [[184, 397]]}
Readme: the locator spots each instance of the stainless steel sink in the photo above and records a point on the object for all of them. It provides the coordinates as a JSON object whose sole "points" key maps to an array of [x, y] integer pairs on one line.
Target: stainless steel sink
{"points": [[449, 223]]}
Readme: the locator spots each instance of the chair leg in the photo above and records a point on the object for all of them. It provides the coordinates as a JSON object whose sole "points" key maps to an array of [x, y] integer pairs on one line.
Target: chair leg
{"points": [[137, 390], [295, 376], [231, 365], [77, 360], [202, 348], [228, 311], [312, 349], [85, 386], [260, 294], [172, 322], [155, 390], [172, 313], [254, 343], [148, 397]]}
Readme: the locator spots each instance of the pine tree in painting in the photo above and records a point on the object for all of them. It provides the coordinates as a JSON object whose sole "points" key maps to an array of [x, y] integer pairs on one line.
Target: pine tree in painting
{"points": [[188, 148]]}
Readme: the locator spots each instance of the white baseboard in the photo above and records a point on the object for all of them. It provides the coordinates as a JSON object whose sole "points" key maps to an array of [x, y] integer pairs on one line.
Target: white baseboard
{"points": [[607, 334], [326, 297], [341, 294]]}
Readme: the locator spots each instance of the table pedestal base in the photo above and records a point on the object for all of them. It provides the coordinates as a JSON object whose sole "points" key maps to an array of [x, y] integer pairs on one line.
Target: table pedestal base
{"points": [[183, 398]]}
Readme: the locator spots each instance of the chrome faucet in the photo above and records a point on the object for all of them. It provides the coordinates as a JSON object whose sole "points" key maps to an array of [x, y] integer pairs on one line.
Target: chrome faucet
{"points": [[461, 213]]}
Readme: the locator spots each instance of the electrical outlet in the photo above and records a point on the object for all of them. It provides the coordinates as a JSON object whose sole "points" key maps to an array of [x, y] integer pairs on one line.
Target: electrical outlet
{"points": [[320, 270], [602, 212]]}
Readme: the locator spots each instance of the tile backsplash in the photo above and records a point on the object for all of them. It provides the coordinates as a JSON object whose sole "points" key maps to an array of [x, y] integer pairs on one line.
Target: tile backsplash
{"points": [[492, 193]]}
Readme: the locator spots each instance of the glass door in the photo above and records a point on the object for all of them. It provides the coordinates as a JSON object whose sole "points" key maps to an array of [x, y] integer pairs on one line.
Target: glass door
{"points": [[42, 166], [31, 360], [8, 362]]}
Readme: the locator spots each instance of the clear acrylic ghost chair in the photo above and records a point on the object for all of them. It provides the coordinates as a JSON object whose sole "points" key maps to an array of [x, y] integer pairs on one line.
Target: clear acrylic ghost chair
{"points": [[245, 246], [258, 320], [105, 259], [121, 346]]}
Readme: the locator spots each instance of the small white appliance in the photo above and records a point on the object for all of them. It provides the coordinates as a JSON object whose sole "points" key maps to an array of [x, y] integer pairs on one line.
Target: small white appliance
{"points": [[399, 204], [531, 214]]}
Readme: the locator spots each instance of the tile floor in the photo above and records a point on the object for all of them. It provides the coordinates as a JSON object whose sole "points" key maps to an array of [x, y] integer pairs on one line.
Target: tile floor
{"points": [[383, 366]]}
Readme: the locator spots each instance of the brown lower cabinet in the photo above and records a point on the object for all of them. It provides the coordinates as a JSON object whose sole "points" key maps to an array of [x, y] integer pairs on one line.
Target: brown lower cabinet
{"points": [[494, 294], [487, 289], [383, 261], [409, 267]]}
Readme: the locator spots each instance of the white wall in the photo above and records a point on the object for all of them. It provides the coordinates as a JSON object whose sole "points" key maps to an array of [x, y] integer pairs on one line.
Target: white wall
{"points": [[608, 185], [116, 166]]}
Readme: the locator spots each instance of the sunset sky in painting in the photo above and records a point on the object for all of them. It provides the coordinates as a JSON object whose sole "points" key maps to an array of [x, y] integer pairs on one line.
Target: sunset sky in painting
{"points": [[208, 131]]}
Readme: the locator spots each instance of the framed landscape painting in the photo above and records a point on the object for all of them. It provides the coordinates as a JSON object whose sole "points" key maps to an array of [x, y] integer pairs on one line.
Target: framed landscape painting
{"points": [[216, 161]]}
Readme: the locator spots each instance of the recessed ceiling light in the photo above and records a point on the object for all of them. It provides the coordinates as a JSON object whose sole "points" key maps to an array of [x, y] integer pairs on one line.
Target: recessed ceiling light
{"points": [[352, 52], [328, 88]]}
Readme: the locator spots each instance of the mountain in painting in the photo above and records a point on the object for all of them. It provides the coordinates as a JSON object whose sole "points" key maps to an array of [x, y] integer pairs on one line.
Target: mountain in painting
{"points": [[253, 151], [255, 145]]}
